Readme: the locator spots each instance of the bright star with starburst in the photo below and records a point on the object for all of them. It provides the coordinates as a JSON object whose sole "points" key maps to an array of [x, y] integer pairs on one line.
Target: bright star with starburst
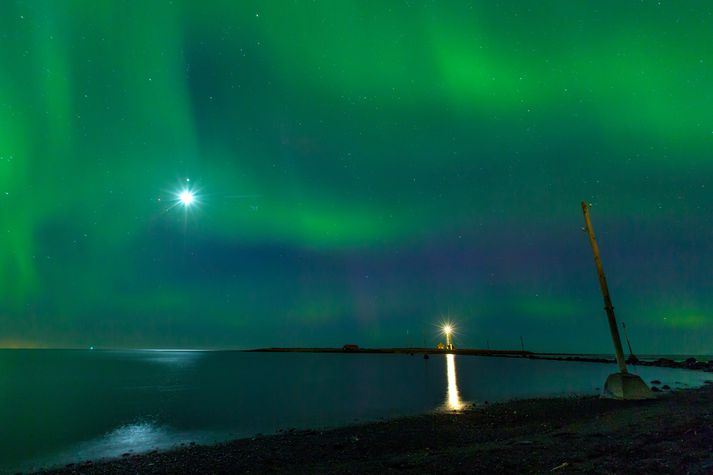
{"points": [[187, 198]]}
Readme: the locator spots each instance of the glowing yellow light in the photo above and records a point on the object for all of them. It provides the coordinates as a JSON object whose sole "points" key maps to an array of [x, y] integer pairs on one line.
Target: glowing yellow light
{"points": [[447, 329], [187, 197], [453, 403]]}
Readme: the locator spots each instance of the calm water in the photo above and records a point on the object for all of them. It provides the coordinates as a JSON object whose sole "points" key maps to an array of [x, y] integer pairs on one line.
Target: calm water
{"points": [[61, 406]]}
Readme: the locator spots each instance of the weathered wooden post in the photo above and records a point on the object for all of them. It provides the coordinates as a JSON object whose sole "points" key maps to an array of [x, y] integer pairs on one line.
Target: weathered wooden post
{"points": [[621, 385]]}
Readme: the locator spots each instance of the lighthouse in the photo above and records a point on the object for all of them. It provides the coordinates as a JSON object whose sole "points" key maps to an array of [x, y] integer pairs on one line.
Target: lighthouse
{"points": [[448, 331]]}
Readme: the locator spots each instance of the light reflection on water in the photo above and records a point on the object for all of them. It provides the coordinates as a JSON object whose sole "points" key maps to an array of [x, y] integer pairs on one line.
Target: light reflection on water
{"points": [[178, 358], [127, 438], [130, 438], [453, 401]]}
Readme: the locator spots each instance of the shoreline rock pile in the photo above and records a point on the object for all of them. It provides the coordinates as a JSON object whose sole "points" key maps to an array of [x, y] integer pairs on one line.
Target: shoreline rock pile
{"points": [[689, 363]]}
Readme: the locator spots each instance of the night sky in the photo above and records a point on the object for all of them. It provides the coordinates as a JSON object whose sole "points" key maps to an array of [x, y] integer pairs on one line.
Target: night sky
{"points": [[362, 171]]}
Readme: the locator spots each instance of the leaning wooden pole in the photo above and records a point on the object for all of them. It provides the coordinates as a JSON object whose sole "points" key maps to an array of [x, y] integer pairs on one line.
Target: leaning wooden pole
{"points": [[605, 291]]}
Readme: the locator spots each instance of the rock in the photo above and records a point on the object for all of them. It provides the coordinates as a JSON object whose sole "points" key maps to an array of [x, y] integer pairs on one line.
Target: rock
{"points": [[665, 362], [654, 389], [665, 387], [690, 363], [560, 466], [655, 381]]}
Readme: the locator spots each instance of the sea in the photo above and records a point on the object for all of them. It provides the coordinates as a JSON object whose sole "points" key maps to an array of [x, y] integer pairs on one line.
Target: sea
{"points": [[67, 406]]}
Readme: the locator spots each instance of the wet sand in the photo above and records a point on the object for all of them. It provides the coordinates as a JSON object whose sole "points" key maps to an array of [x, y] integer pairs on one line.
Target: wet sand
{"points": [[671, 434]]}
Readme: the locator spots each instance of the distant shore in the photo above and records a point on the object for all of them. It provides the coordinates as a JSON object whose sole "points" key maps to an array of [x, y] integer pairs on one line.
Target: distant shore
{"points": [[688, 363], [430, 351], [671, 434]]}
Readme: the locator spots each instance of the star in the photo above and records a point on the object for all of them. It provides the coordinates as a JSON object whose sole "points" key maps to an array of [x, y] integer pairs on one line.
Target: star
{"points": [[187, 197]]}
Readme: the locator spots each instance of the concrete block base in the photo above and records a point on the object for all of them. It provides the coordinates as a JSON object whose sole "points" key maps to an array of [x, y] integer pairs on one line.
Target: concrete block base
{"points": [[626, 386]]}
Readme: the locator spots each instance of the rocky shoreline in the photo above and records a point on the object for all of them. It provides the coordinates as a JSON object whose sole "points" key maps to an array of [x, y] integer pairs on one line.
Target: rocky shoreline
{"points": [[689, 363], [671, 434]]}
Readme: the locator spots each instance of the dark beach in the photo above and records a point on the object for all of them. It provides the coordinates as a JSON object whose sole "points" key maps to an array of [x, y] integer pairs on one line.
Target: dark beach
{"points": [[671, 434]]}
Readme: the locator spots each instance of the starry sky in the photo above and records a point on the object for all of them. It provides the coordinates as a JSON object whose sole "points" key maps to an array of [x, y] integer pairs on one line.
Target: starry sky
{"points": [[362, 170]]}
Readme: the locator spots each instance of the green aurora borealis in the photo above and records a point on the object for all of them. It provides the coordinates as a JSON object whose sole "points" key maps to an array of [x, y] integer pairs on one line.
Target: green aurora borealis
{"points": [[363, 169]]}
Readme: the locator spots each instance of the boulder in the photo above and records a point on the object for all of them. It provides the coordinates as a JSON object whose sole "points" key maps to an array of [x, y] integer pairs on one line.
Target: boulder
{"points": [[665, 362], [632, 359]]}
